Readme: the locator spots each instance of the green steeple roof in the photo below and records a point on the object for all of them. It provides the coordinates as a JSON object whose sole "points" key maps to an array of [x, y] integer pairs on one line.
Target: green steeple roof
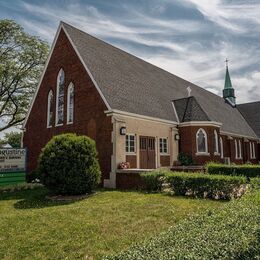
{"points": [[228, 91], [228, 83]]}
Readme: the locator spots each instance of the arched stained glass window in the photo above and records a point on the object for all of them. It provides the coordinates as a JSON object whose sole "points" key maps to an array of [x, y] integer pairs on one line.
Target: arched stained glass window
{"points": [[50, 109], [60, 98], [70, 104], [202, 142]]}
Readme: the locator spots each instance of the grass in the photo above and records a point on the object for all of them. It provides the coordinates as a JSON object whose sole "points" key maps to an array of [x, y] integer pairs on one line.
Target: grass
{"points": [[108, 222]]}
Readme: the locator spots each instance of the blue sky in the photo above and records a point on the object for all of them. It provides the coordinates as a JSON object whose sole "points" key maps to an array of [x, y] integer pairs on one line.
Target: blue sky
{"points": [[189, 38]]}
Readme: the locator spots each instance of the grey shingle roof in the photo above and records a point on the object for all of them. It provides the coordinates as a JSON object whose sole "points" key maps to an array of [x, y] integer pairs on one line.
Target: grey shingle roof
{"points": [[188, 109], [251, 112], [130, 84]]}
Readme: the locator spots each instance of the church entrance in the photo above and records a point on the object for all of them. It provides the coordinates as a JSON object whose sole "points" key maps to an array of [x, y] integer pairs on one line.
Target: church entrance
{"points": [[147, 152]]}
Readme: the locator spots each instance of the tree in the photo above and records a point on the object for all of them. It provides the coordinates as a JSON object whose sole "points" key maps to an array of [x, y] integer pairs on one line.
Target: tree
{"points": [[13, 138], [22, 58]]}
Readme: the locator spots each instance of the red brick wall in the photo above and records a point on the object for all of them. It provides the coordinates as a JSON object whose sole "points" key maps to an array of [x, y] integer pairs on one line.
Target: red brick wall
{"points": [[188, 146], [188, 143], [89, 117]]}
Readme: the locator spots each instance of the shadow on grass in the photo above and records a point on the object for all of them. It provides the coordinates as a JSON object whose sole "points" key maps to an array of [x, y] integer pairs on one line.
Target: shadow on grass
{"points": [[32, 199]]}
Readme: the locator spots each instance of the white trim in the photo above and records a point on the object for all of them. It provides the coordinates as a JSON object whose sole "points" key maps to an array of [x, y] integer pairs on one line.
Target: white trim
{"points": [[236, 149], [240, 149], [202, 154], [206, 142], [86, 68], [238, 135], [221, 147], [49, 107], [175, 112], [42, 75], [201, 123], [216, 152], [133, 115], [71, 85]]}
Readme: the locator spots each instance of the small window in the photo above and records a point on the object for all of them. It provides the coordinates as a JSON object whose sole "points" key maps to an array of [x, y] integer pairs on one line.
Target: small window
{"points": [[221, 147], [236, 149], [70, 104], [216, 149], [50, 109], [252, 150], [202, 142], [130, 143], [163, 145], [60, 98], [240, 149]]}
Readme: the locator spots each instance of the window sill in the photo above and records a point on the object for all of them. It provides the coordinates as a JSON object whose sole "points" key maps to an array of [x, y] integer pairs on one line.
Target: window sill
{"points": [[130, 153], [164, 154], [202, 154], [49, 126], [217, 154], [239, 158], [69, 123], [59, 125]]}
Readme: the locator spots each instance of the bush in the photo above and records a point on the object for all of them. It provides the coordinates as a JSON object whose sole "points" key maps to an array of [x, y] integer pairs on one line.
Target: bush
{"points": [[185, 159], [195, 184], [247, 170], [153, 180], [207, 186], [231, 232], [68, 165]]}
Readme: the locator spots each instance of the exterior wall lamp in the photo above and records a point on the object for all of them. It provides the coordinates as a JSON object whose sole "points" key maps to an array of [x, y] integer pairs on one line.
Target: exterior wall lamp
{"points": [[177, 137], [123, 130]]}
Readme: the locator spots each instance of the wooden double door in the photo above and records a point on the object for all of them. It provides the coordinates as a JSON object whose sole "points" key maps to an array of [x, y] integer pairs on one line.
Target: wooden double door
{"points": [[147, 152]]}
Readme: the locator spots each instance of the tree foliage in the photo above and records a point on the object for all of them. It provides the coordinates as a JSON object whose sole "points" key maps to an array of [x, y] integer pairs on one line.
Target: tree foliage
{"points": [[13, 138], [22, 58]]}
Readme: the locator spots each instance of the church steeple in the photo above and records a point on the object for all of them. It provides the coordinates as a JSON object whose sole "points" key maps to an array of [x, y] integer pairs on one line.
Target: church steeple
{"points": [[228, 91]]}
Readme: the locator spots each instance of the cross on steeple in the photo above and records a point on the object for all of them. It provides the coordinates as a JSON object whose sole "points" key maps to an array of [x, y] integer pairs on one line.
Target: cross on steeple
{"points": [[226, 62]]}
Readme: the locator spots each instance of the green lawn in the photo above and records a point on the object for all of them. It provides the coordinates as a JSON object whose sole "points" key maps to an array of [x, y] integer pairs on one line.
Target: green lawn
{"points": [[32, 227]]}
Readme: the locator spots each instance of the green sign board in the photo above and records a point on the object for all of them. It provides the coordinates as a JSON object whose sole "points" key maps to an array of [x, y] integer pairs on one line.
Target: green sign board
{"points": [[12, 166]]}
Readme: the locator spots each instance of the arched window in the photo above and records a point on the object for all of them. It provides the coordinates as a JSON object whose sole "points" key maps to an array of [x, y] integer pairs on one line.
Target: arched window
{"points": [[240, 148], [216, 149], [202, 142], [60, 98], [70, 104], [50, 109], [221, 147], [236, 149]]}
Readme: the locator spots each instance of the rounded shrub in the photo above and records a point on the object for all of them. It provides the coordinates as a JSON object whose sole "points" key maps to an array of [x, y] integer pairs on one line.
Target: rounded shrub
{"points": [[68, 165]]}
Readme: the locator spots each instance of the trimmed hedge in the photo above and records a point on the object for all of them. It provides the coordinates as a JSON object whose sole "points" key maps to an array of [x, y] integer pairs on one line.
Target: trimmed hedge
{"points": [[247, 170], [196, 184], [154, 180], [229, 232], [68, 165]]}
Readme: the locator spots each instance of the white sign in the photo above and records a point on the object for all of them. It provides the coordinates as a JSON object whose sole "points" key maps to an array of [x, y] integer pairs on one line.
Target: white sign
{"points": [[12, 160]]}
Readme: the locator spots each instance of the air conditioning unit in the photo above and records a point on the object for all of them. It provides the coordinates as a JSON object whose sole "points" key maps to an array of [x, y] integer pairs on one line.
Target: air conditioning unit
{"points": [[227, 160]]}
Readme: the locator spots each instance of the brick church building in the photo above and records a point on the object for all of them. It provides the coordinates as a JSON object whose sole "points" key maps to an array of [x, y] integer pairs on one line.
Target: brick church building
{"points": [[135, 111]]}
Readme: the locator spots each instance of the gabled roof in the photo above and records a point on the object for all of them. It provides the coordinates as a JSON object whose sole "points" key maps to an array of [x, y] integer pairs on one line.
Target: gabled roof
{"points": [[130, 84], [188, 109], [251, 112]]}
